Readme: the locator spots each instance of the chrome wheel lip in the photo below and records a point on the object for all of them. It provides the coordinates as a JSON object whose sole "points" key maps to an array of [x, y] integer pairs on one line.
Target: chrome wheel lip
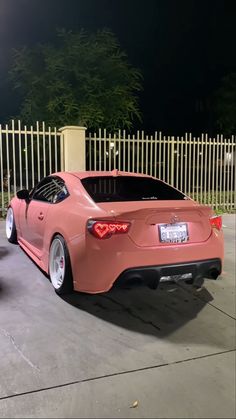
{"points": [[9, 222], [57, 264]]}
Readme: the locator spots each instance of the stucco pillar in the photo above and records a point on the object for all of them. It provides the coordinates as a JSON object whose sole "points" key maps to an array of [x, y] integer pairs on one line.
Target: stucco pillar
{"points": [[73, 148]]}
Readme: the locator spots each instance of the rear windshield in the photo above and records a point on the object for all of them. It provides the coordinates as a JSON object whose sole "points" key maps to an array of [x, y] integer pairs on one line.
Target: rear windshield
{"points": [[129, 188]]}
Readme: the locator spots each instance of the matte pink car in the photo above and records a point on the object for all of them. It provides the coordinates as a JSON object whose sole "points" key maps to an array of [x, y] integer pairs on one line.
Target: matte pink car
{"points": [[88, 230]]}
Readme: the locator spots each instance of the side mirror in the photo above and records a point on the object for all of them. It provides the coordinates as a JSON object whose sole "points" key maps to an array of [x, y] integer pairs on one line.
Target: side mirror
{"points": [[23, 194]]}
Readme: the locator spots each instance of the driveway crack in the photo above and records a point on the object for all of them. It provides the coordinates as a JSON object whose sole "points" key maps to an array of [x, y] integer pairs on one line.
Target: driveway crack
{"points": [[115, 374], [207, 302], [12, 340]]}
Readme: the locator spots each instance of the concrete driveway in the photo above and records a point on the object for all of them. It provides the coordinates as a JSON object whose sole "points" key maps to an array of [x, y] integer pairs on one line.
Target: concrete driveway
{"points": [[172, 350]]}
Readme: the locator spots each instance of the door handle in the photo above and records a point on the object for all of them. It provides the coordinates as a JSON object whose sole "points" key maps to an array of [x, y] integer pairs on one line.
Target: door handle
{"points": [[41, 216]]}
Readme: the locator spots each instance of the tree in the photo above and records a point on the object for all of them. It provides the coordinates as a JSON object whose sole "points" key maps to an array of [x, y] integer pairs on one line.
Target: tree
{"points": [[225, 105], [85, 79]]}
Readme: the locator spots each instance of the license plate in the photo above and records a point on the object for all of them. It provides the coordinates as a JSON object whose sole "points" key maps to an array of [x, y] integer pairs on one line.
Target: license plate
{"points": [[173, 233]]}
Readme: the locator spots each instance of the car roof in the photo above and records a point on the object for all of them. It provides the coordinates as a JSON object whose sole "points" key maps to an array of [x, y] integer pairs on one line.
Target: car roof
{"points": [[92, 173]]}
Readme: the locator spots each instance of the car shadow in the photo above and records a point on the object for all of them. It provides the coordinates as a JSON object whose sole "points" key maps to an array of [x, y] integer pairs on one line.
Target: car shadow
{"points": [[4, 289], [3, 252], [139, 309], [142, 310]]}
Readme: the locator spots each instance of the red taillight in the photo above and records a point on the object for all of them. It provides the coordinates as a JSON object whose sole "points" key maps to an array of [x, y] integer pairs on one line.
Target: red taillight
{"points": [[216, 222], [105, 229]]}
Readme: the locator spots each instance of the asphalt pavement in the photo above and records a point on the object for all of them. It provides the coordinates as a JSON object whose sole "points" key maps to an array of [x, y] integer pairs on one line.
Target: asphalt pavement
{"points": [[130, 353]]}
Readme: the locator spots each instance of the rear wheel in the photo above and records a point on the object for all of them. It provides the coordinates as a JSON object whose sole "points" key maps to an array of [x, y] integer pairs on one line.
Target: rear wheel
{"points": [[11, 226], [59, 266]]}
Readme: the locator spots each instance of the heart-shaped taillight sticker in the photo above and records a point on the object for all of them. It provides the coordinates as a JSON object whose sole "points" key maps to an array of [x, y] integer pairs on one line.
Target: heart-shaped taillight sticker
{"points": [[112, 227], [105, 229], [101, 229]]}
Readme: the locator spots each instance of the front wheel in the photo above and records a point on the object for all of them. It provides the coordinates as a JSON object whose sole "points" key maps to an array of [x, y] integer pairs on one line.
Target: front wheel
{"points": [[59, 266], [11, 226]]}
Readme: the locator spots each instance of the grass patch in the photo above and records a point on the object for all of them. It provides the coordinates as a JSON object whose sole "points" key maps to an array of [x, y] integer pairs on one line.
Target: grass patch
{"points": [[219, 201]]}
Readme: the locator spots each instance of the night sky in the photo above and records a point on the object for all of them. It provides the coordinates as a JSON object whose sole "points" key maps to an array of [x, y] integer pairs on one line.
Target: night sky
{"points": [[182, 47]]}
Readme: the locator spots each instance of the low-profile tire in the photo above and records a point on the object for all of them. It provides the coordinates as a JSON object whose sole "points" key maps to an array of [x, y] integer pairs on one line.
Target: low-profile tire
{"points": [[60, 272], [11, 232]]}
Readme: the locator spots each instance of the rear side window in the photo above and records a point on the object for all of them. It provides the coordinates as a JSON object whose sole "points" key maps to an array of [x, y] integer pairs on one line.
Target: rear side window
{"points": [[129, 188], [51, 190]]}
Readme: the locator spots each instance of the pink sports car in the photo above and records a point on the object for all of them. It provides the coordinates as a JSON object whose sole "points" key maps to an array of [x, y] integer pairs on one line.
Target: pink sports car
{"points": [[88, 230]]}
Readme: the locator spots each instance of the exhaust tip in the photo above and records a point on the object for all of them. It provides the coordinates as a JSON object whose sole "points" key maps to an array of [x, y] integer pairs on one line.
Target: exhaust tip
{"points": [[213, 273], [153, 284]]}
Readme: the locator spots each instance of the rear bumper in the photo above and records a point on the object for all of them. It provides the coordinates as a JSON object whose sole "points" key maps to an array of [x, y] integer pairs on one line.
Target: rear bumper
{"points": [[151, 275], [96, 265]]}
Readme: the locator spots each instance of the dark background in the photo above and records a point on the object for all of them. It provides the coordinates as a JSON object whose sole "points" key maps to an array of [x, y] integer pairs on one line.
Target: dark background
{"points": [[183, 48]]}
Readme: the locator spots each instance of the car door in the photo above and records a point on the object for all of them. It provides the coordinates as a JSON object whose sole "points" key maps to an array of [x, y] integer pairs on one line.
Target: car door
{"points": [[34, 213]]}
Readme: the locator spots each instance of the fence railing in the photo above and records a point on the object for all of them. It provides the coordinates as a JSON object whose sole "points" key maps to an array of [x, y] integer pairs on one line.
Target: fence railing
{"points": [[201, 167], [26, 155]]}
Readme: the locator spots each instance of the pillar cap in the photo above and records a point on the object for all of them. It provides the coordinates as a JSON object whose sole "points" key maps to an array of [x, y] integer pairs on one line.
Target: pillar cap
{"points": [[72, 127]]}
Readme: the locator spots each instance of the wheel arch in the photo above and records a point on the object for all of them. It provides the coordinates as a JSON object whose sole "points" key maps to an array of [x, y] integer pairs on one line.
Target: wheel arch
{"points": [[57, 233], [67, 257], [14, 204], [52, 236]]}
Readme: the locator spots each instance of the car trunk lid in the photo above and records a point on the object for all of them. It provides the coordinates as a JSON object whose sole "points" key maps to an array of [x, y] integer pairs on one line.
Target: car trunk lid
{"points": [[146, 217]]}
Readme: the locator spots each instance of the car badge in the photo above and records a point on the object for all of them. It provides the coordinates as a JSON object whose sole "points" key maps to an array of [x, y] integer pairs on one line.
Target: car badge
{"points": [[174, 219]]}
